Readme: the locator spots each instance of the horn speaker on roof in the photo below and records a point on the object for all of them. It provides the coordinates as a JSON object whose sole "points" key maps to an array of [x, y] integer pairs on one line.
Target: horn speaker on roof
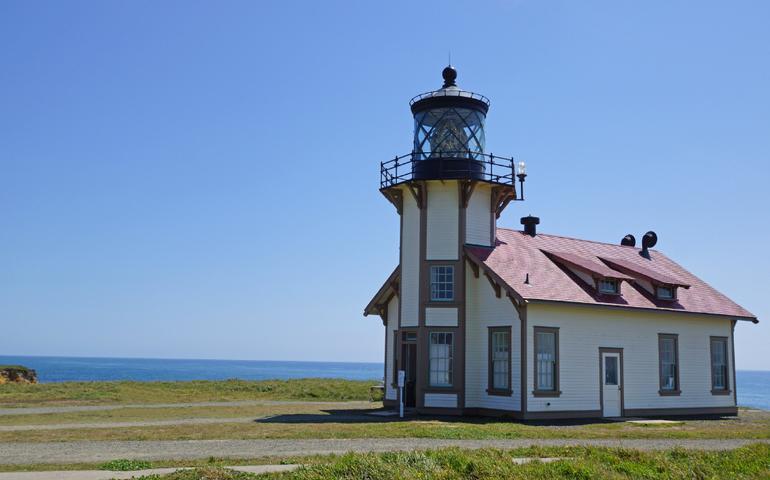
{"points": [[628, 241], [649, 240]]}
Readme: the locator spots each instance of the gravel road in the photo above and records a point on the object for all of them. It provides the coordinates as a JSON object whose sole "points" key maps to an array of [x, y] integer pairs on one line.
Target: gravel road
{"points": [[76, 452], [96, 408]]}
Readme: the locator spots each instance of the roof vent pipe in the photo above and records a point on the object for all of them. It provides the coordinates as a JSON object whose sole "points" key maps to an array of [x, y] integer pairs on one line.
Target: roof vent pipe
{"points": [[648, 241], [530, 225], [628, 241]]}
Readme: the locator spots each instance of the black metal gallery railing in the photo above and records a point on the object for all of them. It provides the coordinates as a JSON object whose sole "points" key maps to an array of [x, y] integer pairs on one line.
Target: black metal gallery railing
{"points": [[449, 93], [472, 165]]}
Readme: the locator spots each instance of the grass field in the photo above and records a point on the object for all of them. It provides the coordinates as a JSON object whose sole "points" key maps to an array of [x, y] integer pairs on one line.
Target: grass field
{"points": [[349, 420], [487, 464], [100, 393]]}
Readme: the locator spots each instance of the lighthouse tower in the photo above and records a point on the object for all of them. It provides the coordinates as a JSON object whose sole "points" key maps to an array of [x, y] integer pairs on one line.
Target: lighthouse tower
{"points": [[449, 193]]}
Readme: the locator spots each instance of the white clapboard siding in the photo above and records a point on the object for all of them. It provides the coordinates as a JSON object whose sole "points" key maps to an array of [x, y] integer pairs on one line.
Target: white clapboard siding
{"points": [[410, 261], [582, 330], [392, 326], [483, 310], [441, 400], [478, 216], [441, 317], [442, 222]]}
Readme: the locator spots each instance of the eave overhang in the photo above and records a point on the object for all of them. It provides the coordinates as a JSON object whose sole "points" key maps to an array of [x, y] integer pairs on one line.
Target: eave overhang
{"points": [[379, 303]]}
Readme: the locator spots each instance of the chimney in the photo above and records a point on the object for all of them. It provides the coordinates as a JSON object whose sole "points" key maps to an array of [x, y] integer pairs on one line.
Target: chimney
{"points": [[530, 225]]}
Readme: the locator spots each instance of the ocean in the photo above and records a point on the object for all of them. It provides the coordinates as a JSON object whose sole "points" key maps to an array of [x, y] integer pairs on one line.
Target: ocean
{"points": [[753, 386]]}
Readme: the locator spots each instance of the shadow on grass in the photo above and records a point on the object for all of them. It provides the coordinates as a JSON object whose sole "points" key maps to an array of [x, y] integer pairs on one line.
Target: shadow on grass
{"points": [[369, 416]]}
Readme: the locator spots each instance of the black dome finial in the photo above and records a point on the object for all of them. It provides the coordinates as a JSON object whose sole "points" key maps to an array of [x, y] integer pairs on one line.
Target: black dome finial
{"points": [[449, 74]]}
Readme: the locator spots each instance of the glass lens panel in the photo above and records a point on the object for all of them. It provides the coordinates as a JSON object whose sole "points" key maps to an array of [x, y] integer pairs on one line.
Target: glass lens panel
{"points": [[448, 132]]}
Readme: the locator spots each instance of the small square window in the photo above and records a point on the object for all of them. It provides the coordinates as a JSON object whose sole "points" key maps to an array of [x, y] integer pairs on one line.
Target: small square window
{"points": [[609, 286], [665, 293]]}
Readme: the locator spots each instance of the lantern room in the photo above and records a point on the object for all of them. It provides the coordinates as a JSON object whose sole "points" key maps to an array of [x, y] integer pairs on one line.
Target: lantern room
{"points": [[449, 131]]}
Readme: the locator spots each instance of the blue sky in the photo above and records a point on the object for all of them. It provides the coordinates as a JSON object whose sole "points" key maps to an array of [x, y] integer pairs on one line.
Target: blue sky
{"points": [[199, 179]]}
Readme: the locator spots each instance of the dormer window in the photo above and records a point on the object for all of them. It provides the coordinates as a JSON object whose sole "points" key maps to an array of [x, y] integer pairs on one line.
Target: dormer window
{"points": [[664, 292], [609, 286]]}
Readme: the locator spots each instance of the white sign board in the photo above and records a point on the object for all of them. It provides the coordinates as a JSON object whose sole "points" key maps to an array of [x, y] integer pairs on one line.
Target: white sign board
{"points": [[401, 378]]}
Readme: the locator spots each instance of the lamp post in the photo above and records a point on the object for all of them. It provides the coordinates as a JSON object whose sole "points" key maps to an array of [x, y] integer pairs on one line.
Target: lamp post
{"points": [[522, 174]]}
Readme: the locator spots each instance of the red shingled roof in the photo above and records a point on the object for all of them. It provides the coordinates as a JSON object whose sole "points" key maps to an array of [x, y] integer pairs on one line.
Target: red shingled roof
{"points": [[517, 256], [644, 272], [593, 267]]}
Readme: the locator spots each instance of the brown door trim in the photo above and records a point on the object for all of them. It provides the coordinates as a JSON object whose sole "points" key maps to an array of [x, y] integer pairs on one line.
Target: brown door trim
{"points": [[622, 379]]}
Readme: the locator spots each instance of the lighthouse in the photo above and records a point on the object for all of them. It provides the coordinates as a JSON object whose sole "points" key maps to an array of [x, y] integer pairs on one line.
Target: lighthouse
{"points": [[449, 193], [485, 320]]}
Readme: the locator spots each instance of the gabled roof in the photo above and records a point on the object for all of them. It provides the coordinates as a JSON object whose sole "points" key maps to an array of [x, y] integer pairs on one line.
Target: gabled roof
{"points": [[520, 260], [382, 297]]}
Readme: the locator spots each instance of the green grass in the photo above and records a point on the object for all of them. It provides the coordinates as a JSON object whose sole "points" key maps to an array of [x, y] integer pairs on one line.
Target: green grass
{"points": [[296, 421], [125, 465], [486, 464], [210, 462], [97, 393]]}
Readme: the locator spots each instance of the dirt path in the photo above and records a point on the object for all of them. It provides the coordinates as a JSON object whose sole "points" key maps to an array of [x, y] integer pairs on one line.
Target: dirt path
{"points": [[83, 452], [96, 408], [162, 423]]}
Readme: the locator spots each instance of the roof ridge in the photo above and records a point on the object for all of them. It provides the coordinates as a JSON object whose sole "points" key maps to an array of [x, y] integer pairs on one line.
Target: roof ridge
{"points": [[575, 238]]}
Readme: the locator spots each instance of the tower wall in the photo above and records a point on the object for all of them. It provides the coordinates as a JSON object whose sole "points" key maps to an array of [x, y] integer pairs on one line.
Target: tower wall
{"points": [[479, 219], [442, 222], [410, 261]]}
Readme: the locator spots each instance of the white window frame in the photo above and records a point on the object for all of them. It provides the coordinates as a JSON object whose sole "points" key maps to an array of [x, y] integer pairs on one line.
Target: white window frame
{"points": [[499, 361], [442, 283], [440, 360]]}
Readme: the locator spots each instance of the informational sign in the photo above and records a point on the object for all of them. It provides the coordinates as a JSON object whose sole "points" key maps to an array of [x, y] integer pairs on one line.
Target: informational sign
{"points": [[401, 378]]}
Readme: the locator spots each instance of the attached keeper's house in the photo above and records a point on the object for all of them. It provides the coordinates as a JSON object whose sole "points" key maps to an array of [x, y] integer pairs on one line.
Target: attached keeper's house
{"points": [[486, 320]]}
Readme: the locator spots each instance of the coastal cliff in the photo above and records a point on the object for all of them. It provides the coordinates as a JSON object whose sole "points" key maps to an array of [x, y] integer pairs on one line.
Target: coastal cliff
{"points": [[17, 374]]}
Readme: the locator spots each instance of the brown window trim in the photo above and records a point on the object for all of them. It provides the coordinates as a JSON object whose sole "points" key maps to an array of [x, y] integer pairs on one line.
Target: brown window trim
{"points": [[430, 301], [505, 392], [677, 390], [714, 390], [546, 393], [394, 374], [441, 388], [440, 304]]}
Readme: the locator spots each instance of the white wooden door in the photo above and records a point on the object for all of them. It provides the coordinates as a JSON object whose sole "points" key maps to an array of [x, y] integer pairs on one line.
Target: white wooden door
{"points": [[611, 384]]}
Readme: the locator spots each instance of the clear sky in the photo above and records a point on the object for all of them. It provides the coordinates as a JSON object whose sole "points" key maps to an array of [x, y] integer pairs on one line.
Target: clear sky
{"points": [[199, 179]]}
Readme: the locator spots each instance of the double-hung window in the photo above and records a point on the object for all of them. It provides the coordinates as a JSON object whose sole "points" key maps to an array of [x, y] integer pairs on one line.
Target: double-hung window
{"points": [[442, 283], [546, 361], [441, 351], [720, 380], [668, 353], [499, 366]]}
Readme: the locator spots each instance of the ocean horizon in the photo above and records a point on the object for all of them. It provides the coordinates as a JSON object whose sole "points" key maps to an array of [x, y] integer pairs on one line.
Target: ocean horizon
{"points": [[753, 385]]}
